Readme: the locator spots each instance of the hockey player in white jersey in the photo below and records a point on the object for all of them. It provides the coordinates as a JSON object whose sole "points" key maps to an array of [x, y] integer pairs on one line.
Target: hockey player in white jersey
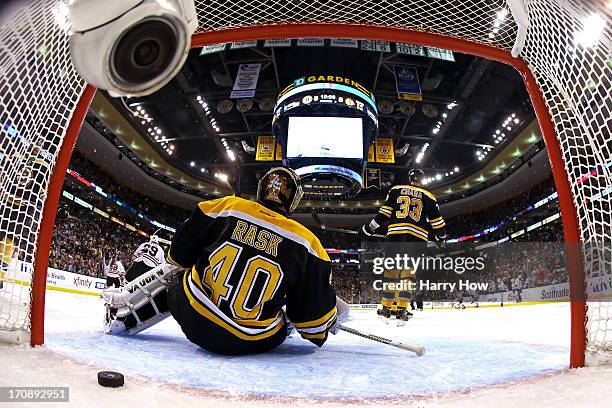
{"points": [[114, 272], [148, 256]]}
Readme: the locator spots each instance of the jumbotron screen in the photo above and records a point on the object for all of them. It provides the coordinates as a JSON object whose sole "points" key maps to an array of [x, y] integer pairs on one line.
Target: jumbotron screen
{"points": [[332, 137], [325, 125]]}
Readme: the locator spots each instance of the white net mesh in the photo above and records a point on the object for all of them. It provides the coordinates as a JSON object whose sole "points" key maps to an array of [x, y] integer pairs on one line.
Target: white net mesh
{"points": [[39, 90], [571, 60]]}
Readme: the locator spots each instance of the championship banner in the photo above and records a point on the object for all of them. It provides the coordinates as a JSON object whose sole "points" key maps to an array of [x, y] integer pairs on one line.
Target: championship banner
{"points": [[373, 178], [265, 148], [407, 83], [246, 81], [210, 49], [410, 49], [278, 156], [384, 151], [371, 154], [375, 45], [441, 54], [278, 42], [343, 42], [310, 42], [243, 44]]}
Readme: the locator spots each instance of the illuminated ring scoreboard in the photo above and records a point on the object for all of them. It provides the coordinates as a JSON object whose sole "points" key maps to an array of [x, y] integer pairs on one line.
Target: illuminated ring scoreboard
{"points": [[325, 125]]}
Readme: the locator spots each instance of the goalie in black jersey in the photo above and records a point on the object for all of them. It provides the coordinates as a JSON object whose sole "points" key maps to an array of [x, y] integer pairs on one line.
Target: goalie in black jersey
{"points": [[408, 213], [244, 262]]}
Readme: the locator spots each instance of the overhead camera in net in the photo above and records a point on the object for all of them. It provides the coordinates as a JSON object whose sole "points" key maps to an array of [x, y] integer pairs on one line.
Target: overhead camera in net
{"points": [[131, 47]]}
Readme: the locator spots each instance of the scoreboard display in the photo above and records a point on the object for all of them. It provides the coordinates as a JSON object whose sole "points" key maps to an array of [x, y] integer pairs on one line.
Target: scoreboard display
{"points": [[325, 125]]}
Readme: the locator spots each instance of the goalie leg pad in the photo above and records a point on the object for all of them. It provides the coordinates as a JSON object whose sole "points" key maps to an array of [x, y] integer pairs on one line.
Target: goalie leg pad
{"points": [[142, 303]]}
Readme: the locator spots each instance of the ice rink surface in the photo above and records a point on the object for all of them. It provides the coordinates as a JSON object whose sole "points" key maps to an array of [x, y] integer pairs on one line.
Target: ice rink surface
{"points": [[507, 356]]}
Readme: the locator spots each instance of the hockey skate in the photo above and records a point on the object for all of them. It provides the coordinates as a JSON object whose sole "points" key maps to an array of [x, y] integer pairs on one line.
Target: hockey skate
{"points": [[403, 316], [384, 314]]}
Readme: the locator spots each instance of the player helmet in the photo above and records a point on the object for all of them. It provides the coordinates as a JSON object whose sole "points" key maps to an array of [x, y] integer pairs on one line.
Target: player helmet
{"points": [[413, 176], [154, 239], [280, 188]]}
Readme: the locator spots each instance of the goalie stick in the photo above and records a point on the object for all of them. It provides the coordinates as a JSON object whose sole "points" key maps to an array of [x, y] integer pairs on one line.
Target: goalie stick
{"points": [[315, 216], [419, 351]]}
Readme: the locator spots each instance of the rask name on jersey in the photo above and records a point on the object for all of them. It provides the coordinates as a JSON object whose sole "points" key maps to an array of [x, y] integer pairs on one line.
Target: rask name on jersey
{"points": [[260, 239]]}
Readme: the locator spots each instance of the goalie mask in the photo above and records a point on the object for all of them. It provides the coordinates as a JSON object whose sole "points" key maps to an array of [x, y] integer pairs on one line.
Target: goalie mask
{"points": [[280, 188]]}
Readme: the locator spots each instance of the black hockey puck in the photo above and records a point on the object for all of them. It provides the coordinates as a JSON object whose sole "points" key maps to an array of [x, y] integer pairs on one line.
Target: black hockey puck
{"points": [[110, 379]]}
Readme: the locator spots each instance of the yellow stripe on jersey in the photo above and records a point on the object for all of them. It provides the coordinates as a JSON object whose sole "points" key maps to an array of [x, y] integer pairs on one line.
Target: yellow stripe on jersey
{"points": [[407, 224], [318, 335], [436, 219], [202, 310], [438, 225], [386, 207], [290, 229], [422, 190], [385, 213], [170, 259], [256, 323], [195, 275], [414, 231], [406, 232], [318, 322]]}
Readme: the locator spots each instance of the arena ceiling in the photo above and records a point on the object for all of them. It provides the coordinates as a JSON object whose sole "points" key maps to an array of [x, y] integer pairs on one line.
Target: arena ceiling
{"points": [[451, 133]]}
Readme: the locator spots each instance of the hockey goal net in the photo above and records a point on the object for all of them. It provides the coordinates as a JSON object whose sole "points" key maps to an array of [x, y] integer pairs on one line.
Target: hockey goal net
{"points": [[561, 47]]}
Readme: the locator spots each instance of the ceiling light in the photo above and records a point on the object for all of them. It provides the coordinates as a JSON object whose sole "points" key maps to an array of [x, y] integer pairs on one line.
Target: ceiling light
{"points": [[192, 164], [501, 14], [593, 26]]}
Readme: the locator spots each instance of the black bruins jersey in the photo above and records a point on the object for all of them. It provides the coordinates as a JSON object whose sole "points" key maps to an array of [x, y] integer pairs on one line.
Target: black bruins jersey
{"points": [[409, 212], [246, 262]]}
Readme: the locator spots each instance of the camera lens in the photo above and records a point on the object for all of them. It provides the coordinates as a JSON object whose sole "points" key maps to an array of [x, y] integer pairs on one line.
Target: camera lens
{"points": [[144, 52]]}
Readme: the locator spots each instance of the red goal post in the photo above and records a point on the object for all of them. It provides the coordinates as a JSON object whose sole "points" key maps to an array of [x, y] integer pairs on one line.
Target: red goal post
{"points": [[567, 84]]}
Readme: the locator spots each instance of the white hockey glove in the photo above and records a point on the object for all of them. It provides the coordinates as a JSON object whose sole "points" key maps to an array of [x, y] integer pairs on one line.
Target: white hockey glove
{"points": [[343, 310]]}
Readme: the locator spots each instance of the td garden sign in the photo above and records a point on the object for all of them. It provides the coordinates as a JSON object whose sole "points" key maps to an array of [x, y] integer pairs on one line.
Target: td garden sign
{"points": [[329, 79]]}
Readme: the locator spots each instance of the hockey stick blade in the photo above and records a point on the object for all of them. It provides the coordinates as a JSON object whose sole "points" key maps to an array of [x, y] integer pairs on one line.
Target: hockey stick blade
{"points": [[419, 351]]}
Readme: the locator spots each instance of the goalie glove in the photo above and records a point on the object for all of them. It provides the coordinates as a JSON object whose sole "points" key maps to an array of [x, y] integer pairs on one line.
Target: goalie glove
{"points": [[343, 310]]}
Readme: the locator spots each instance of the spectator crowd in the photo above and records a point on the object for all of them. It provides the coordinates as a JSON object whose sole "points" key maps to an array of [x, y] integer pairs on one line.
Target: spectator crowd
{"points": [[82, 239]]}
